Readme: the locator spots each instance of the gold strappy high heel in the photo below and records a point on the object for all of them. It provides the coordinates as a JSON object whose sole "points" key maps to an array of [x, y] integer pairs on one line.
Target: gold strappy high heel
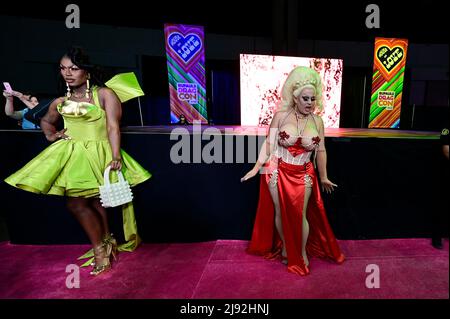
{"points": [[111, 246], [102, 261]]}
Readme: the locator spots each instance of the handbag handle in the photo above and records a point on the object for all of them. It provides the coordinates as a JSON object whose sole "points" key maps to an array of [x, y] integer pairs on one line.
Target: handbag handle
{"points": [[106, 176]]}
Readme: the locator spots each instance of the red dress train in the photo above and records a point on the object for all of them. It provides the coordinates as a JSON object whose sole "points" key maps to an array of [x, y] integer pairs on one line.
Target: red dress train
{"points": [[291, 190]]}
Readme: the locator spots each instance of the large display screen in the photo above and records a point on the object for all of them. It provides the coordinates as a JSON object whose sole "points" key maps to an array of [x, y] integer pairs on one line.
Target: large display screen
{"points": [[262, 77]]}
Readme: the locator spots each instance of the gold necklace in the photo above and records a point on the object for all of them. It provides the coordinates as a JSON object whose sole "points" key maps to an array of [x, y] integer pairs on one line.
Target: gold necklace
{"points": [[89, 99], [78, 96], [301, 117]]}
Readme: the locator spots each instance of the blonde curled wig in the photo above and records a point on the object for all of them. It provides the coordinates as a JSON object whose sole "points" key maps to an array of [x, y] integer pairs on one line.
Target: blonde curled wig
{"points": [[299, 79]]}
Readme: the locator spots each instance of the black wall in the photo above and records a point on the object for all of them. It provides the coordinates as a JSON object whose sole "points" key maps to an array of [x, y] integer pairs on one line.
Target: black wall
{"points": [[387, 188]]}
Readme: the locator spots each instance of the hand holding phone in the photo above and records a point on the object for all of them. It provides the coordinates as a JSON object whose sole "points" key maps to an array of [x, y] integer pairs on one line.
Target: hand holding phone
{"points": [[7, 87]]}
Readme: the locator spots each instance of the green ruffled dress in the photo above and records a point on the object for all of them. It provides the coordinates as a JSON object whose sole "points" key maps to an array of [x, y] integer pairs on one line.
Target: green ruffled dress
{"points": [[75, 167]]}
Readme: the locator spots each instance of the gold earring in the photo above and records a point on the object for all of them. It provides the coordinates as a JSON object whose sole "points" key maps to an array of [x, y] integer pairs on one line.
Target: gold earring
{"points": [[68, 94], [87, 86]]}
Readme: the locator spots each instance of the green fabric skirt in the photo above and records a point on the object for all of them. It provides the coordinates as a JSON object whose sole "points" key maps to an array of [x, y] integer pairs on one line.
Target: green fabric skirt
{"points": [[74, 169]]}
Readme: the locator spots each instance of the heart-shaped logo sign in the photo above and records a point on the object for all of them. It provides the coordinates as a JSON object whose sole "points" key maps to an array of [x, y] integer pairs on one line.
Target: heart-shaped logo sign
{"points": [[185, 47], [390, 57]]}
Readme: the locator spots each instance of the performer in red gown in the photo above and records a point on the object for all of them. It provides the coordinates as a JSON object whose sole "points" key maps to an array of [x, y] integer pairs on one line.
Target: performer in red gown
{"points": [[291, 223]]}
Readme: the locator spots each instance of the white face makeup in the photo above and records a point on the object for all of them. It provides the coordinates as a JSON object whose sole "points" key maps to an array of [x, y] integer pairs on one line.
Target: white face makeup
{"points": [[306, 101]]}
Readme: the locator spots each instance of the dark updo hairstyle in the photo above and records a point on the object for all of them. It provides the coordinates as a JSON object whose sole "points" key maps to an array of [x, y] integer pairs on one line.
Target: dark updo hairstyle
{"points": [[80, 58]]}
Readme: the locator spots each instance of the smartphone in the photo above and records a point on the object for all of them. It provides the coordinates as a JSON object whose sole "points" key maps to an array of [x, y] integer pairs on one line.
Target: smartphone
{"points": [[7, 87]]}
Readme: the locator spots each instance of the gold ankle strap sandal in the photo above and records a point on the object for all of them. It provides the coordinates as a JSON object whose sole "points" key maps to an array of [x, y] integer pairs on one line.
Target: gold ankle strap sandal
{"points": [[111, 246], [102, 261]]}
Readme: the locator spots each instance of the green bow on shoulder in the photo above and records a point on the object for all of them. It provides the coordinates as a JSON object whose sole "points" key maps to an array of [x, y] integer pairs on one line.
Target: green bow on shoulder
{"points": [[125, 85]]}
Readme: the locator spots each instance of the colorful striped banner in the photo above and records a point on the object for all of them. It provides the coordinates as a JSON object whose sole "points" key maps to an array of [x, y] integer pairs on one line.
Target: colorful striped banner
{"points": [[387, 82], [185, 51]]}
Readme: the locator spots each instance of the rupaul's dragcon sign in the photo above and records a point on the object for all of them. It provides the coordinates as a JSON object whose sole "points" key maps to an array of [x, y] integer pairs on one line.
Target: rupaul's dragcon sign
{"points": [[185, 52], [387, 82]]}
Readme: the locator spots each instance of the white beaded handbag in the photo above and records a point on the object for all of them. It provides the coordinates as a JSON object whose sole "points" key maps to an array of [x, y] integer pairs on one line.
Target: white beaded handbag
{"points": [[115, 194]]}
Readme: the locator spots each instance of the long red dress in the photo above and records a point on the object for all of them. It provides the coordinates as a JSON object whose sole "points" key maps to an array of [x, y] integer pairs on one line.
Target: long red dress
{"points": [[290, 181]]}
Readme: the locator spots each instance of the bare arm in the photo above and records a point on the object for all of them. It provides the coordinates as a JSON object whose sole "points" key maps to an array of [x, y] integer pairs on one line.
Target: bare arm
{"points": [[27, 103], [269, 143], [327, 185], [22, 98], [322, 152], [9, 107], [113, 109], [267, 147], [50, 120], [445, 150]]}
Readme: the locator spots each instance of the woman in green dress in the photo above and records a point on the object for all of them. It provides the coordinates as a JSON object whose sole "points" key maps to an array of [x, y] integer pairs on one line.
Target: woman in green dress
{"points": [[73, 165]]}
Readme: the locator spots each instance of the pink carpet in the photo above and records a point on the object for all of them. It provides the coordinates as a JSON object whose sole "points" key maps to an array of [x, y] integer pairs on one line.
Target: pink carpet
{"points": [[409, 268]]}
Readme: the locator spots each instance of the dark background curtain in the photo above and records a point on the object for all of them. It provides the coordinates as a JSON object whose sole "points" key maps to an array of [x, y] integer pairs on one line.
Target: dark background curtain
{"points": [[224, 92]]}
